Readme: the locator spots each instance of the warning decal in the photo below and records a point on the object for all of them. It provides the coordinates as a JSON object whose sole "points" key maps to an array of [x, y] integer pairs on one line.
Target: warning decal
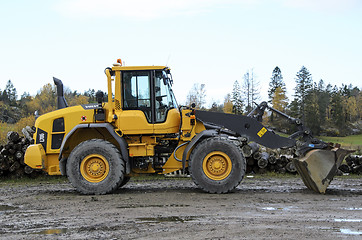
{"points": [[262, 132]]}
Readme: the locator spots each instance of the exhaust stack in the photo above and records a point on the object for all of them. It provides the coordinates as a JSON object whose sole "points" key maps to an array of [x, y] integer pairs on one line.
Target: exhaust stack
{"points": [[62, 103]]}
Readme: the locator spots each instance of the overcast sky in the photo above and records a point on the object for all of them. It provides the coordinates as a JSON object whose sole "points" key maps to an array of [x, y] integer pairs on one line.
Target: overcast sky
{"points": [[203, 41]]}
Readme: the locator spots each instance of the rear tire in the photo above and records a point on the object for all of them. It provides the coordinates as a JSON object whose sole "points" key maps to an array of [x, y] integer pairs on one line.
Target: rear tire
{"points": [[217, 165], [95, 167]]}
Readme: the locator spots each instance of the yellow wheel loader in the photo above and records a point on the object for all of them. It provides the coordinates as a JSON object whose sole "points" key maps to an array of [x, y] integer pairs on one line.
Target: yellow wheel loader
{"points": [[140, 129]]}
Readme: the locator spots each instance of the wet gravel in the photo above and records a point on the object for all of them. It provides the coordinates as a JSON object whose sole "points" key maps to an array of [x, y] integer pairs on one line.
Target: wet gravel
{"points": [[173, 208]]}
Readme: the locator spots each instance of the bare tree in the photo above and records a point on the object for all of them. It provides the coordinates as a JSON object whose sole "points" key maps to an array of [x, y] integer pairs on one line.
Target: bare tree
{"points": [[197, 95], [255, 86], [250, 90]]}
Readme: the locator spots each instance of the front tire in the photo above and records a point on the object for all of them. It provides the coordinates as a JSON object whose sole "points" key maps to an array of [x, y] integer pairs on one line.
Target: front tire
{"points": [[95, 167], [217, 165]]}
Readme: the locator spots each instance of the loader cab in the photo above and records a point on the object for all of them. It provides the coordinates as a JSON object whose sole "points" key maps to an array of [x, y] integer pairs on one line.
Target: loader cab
{"points": [[148, 91], [147, 101]]}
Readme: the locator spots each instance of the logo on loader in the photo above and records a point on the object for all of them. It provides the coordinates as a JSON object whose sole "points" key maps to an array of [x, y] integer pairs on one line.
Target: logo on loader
{"points": [[84, 118], [41, 137], [262, 132]]}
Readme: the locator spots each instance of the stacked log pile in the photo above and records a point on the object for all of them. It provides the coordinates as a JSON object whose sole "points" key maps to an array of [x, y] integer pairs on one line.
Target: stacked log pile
{"points": [[258, 159], [262, 160], [12, 155], [353, 164]]}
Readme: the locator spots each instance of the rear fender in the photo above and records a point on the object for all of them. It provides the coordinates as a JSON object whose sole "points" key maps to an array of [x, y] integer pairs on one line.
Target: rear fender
{"points": [[122, 144]]}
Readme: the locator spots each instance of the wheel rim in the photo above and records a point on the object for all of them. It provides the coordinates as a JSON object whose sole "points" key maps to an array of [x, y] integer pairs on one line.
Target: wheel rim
{"points": [[94, 168], [217, 165]]}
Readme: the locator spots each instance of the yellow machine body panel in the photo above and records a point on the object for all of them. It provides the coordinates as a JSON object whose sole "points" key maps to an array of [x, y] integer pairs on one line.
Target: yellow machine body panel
{"points": [[51, 129], [133, 122], [171, 125], [35, 156], [53, 134]]}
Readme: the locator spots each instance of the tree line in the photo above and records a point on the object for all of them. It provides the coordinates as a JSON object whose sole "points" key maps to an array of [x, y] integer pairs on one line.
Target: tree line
{"points": [[325, 109], [13, 109]]}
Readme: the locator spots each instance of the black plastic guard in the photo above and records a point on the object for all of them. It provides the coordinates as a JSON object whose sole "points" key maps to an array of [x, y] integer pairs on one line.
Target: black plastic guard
{"points": [[245, 127]]}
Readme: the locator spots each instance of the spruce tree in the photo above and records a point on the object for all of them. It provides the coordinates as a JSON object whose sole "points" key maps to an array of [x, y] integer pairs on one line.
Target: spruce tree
{"points": [[312, 115], [304, 86], [9, 94], [323, 96], [276, 81], [236, 98], [337, 115]]}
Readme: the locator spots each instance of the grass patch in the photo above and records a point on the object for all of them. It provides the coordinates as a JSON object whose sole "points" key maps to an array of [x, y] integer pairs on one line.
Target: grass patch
{"points": [[348, 142], [353, 141]]}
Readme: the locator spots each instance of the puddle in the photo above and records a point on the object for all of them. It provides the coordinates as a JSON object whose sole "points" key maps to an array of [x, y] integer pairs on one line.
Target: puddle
{"points": [[167, 219], [329, 229], [7, 208], [4, 208], [348, 220], [277, 209], [152, 206], [348, 231], [353, 209], [269, 208], [52, 231]]}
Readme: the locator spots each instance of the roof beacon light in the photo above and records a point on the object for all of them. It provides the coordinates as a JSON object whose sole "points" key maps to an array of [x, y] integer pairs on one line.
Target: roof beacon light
{"points": [[119, 61]]}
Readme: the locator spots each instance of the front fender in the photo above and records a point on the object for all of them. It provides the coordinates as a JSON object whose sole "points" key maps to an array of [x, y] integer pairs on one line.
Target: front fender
{"points": [[194, 141]]}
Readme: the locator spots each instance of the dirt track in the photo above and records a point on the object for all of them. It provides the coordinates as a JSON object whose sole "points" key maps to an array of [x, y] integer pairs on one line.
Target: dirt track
{"points": [[260, 208]]}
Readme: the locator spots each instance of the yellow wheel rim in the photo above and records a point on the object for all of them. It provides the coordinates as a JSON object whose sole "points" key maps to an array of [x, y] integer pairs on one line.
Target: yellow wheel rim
{"points": [[217, 165], [94, 168]]}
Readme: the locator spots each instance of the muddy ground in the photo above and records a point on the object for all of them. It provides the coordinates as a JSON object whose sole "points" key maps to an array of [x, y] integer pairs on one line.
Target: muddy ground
{"points": [[260, 208]]}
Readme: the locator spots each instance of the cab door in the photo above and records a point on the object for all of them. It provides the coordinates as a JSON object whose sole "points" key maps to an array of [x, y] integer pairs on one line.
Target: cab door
{"points": [[136, 114]]}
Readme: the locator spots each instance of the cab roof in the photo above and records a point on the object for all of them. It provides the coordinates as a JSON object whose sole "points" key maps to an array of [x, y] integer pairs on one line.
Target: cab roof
{"points": [[133, 68]]}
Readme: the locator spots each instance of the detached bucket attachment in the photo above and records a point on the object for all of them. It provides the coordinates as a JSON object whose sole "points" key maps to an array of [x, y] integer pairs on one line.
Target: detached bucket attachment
{"points": [[318, 167]]}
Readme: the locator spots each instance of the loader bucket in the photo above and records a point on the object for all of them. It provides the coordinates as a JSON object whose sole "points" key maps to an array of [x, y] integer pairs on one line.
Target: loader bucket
{"points": [[318, 167]]}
